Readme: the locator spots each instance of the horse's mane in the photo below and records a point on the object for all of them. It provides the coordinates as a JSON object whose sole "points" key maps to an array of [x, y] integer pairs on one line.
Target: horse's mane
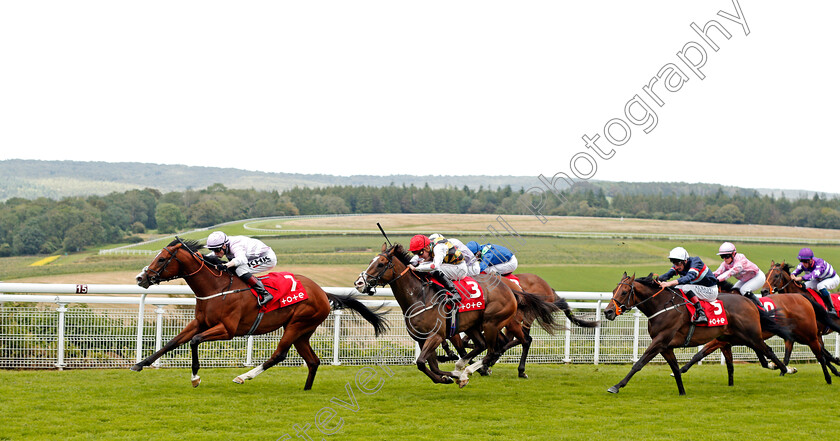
{"points": [[190, 244], [648, 280], [401, 254], [785, 267]]}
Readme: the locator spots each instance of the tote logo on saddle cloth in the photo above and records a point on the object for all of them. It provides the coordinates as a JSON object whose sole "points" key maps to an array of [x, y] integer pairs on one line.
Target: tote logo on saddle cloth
{"points": [[472, 297], [714, 312], [285, 288]]}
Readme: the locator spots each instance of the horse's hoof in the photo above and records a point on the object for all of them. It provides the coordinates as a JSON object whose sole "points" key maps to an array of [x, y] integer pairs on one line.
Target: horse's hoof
{"points": [[523, 375], [137, 367], [239, 380], [484, 372], [613, 390], [462, 383], [196, 381], [447, 380], [772, 366], [791, 370]]}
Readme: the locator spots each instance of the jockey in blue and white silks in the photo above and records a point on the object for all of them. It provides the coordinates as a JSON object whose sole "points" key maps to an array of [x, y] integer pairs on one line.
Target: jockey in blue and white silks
{"points": [[696, 280]]}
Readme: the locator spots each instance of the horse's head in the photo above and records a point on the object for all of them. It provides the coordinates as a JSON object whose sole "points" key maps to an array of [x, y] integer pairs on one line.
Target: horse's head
{"points": [[778, 278], [172, 262], [381, 270], [623, 294]]}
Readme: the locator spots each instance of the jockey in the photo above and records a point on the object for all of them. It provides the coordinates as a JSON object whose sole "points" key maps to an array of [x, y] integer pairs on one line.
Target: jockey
{"points": [[248, 256], [695, 280], [441, 259], [749, 275], [819, 275], [494, 258]]}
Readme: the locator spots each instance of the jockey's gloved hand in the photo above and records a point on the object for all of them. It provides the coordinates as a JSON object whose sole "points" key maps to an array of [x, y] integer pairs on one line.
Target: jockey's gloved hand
{"points": [[220, 266]]}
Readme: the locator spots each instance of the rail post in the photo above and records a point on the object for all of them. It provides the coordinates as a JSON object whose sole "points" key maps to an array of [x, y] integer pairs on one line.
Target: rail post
{"points": [[158, 331], [636, 316], [567, 351], [249, 351], [62, 309], [336, 337], [597, 334], [140, 310]]}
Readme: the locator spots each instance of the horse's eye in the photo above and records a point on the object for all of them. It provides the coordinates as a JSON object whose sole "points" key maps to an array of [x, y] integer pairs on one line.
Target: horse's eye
{"points": [[161, 260]]}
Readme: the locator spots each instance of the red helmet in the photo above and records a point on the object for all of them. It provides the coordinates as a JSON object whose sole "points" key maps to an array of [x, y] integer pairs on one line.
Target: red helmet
{"points": [[418, 242]]}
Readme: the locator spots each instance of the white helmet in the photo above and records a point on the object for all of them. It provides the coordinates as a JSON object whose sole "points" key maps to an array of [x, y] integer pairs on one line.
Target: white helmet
{"points": [[726, 248], [678, 253], [216, 240], [435, 236]]}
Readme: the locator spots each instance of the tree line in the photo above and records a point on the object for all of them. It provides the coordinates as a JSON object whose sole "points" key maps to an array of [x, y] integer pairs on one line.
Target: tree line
{"points": [[45, 226]]}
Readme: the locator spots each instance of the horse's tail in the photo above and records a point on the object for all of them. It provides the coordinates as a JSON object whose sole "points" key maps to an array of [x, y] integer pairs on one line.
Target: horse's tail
{"points": [[533, 307], [822, 315], [561, 304], [372, 316], [769, 324]]}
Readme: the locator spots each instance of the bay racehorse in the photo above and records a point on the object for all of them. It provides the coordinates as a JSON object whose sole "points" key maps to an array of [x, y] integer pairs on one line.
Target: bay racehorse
{"points": [[423, 306], [669, 324], [225, 308], [793, 310], [779, 280]]}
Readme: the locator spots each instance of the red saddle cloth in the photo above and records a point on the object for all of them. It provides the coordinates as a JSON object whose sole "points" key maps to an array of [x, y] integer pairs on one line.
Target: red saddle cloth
{"points": [[835, 299], [513, 279], [714, 312], [767, 303], [472, 296], [284, 287]]}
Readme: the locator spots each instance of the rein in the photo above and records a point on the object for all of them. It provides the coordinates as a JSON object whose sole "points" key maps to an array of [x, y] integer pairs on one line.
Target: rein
{"points": [[621, 307], [773, 289], [156, 279]]}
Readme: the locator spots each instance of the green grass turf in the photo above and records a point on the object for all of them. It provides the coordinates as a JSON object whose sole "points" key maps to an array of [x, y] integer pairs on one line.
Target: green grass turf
{"points": [[566, 402]]}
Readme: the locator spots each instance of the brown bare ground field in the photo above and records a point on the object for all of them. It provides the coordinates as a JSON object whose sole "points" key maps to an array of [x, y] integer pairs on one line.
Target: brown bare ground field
{"points": [[479, 222]]}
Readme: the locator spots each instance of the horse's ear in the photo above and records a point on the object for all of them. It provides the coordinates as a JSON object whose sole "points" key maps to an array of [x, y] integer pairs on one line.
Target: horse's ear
{"points": [[772, 262], [384, 246], [625, 275], [634, 277]]}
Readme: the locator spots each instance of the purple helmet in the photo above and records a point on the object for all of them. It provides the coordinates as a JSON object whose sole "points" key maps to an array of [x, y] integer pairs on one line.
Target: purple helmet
{"points": [[805, 254]]}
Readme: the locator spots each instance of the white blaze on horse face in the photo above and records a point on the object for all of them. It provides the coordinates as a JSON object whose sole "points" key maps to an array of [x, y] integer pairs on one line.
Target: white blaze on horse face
{"points": [[361, 282]]}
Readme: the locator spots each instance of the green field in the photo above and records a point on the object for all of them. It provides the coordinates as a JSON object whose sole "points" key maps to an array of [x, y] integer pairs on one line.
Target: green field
{"points": [[566, 402]]}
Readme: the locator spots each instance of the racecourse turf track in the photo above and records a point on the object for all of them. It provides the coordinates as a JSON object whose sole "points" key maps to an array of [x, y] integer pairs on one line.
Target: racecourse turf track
{"points": [[567, 402]]}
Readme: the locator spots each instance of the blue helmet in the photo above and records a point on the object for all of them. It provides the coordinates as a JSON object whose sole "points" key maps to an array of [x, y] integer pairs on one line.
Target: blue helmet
{"points": [[473, 246]]}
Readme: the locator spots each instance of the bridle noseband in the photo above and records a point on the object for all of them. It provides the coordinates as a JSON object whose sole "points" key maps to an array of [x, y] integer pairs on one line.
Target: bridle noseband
{"points": [[772, 289], [374, 281], [621, 307]]}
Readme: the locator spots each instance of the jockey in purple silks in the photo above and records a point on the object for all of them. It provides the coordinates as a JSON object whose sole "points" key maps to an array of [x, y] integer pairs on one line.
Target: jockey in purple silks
{"points": [[818, 275]]}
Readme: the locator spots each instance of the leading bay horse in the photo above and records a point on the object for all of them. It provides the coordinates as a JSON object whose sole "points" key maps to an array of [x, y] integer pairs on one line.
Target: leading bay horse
{"points": [[424, 310], [225, 308], [669, 324]]}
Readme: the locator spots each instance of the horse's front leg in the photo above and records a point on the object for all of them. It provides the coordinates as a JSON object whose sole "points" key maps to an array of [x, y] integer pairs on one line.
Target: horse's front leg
{"points": [[428, 353], [218, 332], [656, 346], [184, 336]]}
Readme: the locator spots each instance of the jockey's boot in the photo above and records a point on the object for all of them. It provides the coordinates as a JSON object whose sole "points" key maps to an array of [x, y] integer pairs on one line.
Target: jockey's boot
{"points": [[448, 285], [257, 285], [826, 296], [699, 314], [754, 299]]}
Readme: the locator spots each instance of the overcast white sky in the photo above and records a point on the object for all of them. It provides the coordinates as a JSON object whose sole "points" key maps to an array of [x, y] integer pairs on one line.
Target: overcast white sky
{"points": [[433, 87]]}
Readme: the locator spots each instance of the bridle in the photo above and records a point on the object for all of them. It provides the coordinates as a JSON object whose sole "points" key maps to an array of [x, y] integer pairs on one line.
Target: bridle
{"points": [[621, 307], [773, 289], [373, 281], [156, 277]]}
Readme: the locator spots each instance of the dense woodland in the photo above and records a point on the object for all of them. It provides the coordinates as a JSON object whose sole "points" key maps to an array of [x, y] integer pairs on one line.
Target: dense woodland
{"points": [[43, 225]]}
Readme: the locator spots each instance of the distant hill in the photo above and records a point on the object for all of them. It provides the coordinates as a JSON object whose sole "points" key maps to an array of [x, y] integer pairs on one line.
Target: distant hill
{"points": [[31, 179]]}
